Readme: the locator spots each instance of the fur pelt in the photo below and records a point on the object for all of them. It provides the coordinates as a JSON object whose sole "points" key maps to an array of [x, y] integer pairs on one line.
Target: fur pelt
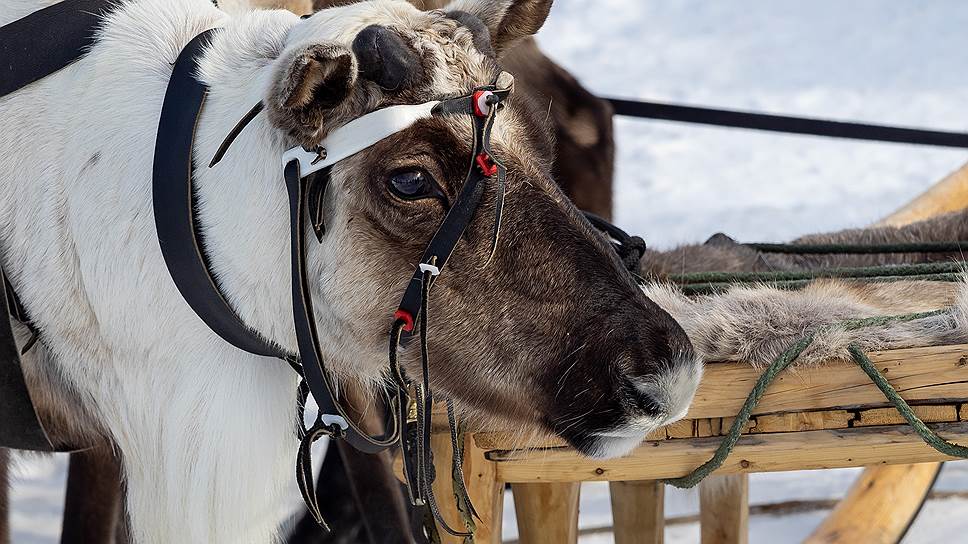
{"points": [[758, 323]]}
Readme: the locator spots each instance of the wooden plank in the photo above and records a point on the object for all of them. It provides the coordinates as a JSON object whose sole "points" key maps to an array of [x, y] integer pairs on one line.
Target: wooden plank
{"points": [[835, 448], [507, 440], [920, 374], [638, 512], [949, 194], [802, 421], [926, 374], [764, 423], [710, 427], [890, 416], [547, 513], [684, 428], [724, 509], [486, 493], [879, 507]]}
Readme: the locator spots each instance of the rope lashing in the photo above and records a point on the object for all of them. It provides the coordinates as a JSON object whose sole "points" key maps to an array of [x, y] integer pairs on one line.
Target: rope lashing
{"points": [[860, 249], [899, 271], [786, 359], [720, 287]]}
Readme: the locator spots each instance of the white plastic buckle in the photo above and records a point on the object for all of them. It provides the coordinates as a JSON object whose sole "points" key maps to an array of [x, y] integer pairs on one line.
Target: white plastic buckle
{"points": [[434, 271], [330, 419]]}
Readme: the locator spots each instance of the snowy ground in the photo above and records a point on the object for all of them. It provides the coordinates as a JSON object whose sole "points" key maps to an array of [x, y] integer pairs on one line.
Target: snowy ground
{"points": [[899, 63]]}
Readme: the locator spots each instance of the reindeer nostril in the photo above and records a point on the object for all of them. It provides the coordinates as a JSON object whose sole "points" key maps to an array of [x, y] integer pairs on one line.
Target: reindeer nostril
{"points": [[646, 402]]}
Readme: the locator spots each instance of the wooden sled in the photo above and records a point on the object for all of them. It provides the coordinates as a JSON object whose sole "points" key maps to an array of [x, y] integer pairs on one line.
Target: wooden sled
{"points": [[830, 416]]}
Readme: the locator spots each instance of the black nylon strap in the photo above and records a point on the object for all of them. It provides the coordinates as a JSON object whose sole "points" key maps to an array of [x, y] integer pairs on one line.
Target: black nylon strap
{"points": [[174, 205], [47, 40], [786, 123], [32, 48], [459, 217]]}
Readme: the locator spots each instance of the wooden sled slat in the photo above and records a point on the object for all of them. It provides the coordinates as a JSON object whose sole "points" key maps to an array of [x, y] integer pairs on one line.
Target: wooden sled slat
{"points": [[919, 374], [804, 450], [880, 506]]}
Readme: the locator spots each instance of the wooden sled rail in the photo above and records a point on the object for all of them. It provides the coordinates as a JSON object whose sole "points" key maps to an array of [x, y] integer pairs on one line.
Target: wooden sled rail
{"points": [[833, 395], [812, 417], [795, 450]]}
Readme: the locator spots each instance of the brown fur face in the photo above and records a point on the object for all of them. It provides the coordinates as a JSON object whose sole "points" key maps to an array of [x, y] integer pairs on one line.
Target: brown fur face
{"points": [[553, 334]]}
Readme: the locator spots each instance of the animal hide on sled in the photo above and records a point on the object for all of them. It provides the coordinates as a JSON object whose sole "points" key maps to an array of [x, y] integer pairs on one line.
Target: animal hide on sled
{"points": [[758, 323]]}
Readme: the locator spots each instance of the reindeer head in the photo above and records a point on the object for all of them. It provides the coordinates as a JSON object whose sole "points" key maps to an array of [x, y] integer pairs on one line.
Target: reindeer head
{"points": [[551, 332]]}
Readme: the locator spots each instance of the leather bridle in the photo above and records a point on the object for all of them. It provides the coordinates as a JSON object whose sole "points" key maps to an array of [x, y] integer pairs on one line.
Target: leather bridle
{"points": [[183, 249]]}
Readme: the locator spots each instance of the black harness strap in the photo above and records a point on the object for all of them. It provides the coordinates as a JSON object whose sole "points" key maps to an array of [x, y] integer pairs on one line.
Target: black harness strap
{"points": [[47, 40], [182, 247], [313, 366], [786, 123], [174, 205]]}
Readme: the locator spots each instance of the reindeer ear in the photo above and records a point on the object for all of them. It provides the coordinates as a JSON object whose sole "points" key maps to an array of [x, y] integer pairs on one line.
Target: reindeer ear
{"points": [[507, 20], [309, 82]]}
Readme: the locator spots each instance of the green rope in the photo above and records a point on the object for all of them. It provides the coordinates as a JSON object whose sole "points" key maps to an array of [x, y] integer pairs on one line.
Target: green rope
{"points": [[897, 271], [720, 287], [785, 360], [926, 434], [861, 249]]}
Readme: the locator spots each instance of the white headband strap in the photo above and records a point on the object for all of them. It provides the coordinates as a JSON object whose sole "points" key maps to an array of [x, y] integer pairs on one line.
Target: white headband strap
{"points": [[357, 135]]}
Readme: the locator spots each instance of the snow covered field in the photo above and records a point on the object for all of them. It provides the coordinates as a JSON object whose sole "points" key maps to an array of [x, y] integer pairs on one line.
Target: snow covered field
{"points": [[900, 62]]}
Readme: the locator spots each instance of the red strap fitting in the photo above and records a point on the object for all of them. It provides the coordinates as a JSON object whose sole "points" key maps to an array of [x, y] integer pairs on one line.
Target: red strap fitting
{"points": [[486, 164], [403, 315], [481, 107]]}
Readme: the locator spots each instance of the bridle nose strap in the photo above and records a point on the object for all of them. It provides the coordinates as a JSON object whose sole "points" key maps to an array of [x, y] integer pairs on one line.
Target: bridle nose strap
{"points": [[459, 217]]}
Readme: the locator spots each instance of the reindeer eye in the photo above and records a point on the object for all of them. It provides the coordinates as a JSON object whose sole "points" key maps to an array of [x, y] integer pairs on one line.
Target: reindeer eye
{"points": [[413, 185]]}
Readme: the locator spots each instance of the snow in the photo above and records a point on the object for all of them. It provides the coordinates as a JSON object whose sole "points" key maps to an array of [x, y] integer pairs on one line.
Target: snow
{"points": [[895, 63]]}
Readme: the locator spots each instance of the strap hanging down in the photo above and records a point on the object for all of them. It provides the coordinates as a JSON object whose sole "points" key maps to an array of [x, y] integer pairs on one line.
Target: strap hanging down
{"points": [[314, 370], [20, 427]]}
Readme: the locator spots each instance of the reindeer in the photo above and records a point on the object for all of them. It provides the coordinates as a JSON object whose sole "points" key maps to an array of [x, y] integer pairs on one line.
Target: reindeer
{"points": [[205, 430]]}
